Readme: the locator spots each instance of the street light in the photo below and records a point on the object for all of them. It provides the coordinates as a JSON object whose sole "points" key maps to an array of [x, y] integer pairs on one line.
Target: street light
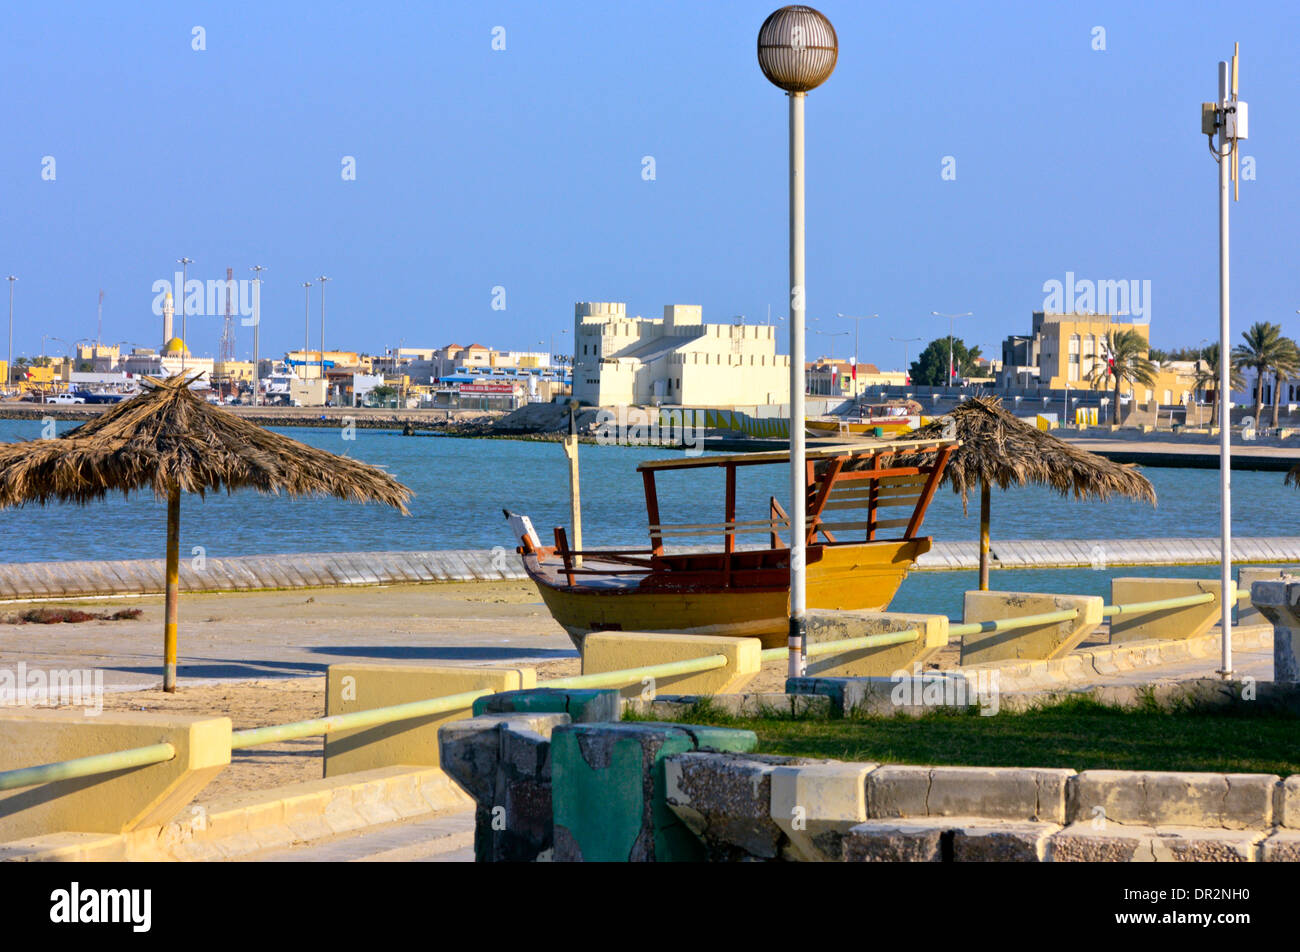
{"points": [[797, 50], [905, 341], [9, 363], [306, 325], [257, 270], [322, 279], [950, 317], [857, 354], [185, 333]]}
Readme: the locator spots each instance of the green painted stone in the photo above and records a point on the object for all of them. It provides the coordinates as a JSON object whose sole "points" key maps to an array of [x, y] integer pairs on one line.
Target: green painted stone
{"points": [[608, 789], [583, 705]]}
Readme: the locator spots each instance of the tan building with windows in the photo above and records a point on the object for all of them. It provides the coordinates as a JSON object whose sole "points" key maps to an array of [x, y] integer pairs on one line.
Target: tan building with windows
{"points": [[676, 359]]}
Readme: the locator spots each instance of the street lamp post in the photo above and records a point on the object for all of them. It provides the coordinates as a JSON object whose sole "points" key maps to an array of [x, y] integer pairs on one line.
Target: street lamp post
{"points": [[797, 50], [9, 362], [857, 354], [324, 377], [306, 325], [257, 270], [905, 341], [185, 333], [950, 317]]}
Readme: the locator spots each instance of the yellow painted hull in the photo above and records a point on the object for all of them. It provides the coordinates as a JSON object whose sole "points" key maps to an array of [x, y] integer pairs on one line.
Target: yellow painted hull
{"points": [[862, 576]]}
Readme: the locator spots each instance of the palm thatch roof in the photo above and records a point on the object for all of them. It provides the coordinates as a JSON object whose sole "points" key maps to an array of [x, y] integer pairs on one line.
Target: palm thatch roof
{"points": [[997, 449], [169, 438]]}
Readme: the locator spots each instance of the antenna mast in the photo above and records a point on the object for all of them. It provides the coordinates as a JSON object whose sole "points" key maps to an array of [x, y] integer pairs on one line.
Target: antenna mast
{"points": [[228, 332]]}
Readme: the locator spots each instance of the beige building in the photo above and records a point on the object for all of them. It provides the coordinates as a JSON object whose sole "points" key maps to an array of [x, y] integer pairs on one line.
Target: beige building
{"points": [[676, 359]]}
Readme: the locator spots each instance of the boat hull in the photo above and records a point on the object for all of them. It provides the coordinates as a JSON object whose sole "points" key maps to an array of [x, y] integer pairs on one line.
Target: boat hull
{"points": [[862, 576]]}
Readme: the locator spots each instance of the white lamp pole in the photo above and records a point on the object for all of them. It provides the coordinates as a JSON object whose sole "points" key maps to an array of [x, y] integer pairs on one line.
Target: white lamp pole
{"points": [[950, 317], [185, 334], [797, 50], [1227, 119], [306, 325], [257, 270], [324, 377], [9, 363]]}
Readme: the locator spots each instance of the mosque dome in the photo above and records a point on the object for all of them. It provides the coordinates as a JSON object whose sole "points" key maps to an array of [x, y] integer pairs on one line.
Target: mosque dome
{"points": [[174, 346]]}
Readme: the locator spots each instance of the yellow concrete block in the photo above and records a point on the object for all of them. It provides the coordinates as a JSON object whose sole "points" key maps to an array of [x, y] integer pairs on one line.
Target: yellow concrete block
{"points": [[1173, 623], [872, 662], [1038, 642], [622, 650], [360, 687], [106, 803]]}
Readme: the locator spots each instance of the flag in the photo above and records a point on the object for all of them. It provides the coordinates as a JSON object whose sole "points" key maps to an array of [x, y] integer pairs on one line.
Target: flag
{"points": [[853, 364]]}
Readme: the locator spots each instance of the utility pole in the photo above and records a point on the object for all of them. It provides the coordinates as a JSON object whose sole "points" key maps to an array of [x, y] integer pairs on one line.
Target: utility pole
{"points": [[857, 326], [905, 341], [306, 325], [1226, 118]]}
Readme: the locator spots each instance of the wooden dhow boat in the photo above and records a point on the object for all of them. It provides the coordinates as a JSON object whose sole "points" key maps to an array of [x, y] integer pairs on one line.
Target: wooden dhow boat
{"points": [[866, 504]]}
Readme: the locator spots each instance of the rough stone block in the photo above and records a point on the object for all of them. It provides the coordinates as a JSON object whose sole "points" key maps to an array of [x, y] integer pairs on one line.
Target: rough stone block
{"points": [[1170, 798], [609, 789], [980, 841], [1282, 847], [999, 793], [1289, 806], [1187, 845], [725, 800], [895, 841], [1087, 842]]}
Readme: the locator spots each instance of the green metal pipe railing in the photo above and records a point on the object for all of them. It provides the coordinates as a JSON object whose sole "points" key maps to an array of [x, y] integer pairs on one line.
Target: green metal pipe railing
{"points": [[848, 644], [1139, 608], [609, 679], [257, 736], [87, 766]]}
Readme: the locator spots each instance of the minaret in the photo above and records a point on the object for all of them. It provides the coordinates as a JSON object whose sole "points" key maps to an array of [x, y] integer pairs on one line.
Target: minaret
{"points": [[169, 311]]}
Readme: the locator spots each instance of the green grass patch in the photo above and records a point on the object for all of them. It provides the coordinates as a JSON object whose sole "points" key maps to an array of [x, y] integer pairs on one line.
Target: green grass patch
{"points": [[1077, 733]]}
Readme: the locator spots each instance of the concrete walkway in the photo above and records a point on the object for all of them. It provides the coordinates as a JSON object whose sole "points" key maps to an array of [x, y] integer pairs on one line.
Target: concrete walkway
{"points": [[442, 839]]}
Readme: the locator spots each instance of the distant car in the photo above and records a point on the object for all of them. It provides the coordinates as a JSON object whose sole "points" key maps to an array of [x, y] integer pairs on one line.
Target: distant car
{"points": [[64, 398]]}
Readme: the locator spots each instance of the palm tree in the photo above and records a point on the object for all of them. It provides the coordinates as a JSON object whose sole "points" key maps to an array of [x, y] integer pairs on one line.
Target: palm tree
{"points": [[1207, 377], [1264, 347], [1284, 367], [1126, 361]]}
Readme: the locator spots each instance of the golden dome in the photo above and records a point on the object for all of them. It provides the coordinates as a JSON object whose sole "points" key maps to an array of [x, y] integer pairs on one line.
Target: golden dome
{"points": [[174, 346]]}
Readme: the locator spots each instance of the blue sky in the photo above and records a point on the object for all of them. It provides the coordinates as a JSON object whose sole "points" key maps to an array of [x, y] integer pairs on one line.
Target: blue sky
{"points": [[522, 168]]}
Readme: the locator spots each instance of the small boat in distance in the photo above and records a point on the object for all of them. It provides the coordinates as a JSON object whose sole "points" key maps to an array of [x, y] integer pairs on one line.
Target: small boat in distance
{"points": [[856, 560]]}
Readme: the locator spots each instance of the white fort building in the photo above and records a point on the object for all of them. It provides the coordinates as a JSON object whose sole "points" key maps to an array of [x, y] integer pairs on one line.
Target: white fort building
{"points": [[676, 359]]}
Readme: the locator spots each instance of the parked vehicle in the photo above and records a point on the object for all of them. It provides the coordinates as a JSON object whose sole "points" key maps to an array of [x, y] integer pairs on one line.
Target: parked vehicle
{"points": [[64, 398]]}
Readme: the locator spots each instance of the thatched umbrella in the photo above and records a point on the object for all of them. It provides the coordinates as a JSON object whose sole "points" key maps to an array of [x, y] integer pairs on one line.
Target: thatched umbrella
{"points": [[169, 440], [997, 449]]}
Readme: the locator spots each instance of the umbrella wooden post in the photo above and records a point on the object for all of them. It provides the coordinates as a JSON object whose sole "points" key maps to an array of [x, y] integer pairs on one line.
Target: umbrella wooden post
{"points": [[985, 506], [173, 588]]}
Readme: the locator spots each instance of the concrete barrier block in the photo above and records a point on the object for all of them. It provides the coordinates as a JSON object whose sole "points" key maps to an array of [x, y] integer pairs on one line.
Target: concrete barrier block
{"points": [[1087, 842], [980, 841], [725, 800], [1288, 805], [815, 805], [1172, 623], [1282, 847], [1279, 602], [867, 662], [1170, 798], [1247, 576], [895, 841], [413, 741], [621, 650], [1000, 793], [113, 802], [609, 789], [1039, 642]]}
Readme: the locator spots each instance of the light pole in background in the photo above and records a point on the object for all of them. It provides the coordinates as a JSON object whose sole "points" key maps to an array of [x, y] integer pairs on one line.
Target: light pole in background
{"points": [[257, 270], [907, 370], [9, 363], [857, 326], [797, 50], [185, 335], [322, 279], [951, 318], [306, 325]]}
